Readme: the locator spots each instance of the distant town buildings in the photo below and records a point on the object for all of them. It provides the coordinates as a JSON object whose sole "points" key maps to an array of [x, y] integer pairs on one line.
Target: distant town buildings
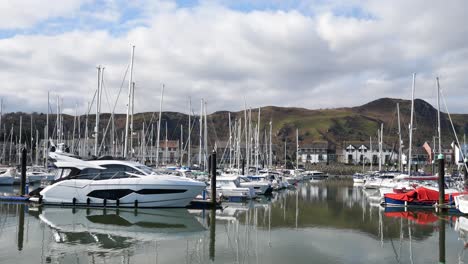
{"points": [[317, 152]]}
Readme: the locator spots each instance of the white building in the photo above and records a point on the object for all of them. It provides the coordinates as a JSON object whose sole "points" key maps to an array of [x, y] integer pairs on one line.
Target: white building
{"points": [[316, 152], [362, 152]]}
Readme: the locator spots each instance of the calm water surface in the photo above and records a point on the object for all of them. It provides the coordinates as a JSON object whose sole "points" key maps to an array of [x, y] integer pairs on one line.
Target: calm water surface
{"points": [[324, 223]]}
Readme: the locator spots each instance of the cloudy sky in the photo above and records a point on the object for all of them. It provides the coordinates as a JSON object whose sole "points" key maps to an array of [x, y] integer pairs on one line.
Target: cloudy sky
{"points": [[312, 54]]}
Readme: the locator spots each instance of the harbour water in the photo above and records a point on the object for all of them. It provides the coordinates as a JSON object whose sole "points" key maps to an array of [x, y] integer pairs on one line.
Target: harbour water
{"points": [[315, 223]]}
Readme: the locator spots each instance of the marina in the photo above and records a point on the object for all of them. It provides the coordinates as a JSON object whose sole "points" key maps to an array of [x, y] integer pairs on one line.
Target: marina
{"points": [[233, 131], [298, 223]]}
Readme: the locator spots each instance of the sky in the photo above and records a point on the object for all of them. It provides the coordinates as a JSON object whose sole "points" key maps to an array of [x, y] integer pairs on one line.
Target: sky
{"points": [[312, 54]]}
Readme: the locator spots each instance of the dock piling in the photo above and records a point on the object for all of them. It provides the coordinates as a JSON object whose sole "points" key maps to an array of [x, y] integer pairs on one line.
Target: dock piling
{"points": [[441, 178], [243, 167], [24, 153], [213, 178]]}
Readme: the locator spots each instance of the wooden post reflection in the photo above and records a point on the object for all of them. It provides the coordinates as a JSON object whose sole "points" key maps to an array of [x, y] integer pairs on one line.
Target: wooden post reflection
{"points": [[212, 233], [441, 241], [20, 227]]}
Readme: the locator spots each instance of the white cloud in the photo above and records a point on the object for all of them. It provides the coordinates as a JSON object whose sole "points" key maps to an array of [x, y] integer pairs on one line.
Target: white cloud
{"points": [[270, 57]]}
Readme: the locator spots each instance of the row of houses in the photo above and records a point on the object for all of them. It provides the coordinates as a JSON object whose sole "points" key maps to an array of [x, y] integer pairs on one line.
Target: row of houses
{"points": [[350, 152], [365, 153]]}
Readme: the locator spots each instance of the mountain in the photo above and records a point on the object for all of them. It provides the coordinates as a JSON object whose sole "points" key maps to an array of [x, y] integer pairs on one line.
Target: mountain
{"points": [[334, 125]]}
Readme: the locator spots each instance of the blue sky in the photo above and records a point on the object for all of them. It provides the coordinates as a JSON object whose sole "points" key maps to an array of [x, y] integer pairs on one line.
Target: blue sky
{"points": [[277, 52], [84, 19]]}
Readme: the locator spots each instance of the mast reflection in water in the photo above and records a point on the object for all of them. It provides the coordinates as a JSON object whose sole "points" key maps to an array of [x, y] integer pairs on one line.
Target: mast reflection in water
{"points": [[320, 223]]}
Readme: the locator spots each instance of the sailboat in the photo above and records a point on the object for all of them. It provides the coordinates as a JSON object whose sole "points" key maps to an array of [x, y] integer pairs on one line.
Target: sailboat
{"points": [[422, 195]]}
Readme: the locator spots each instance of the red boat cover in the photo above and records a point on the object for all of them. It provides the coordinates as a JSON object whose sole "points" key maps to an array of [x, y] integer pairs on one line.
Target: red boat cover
{"points": [[420, 194]]}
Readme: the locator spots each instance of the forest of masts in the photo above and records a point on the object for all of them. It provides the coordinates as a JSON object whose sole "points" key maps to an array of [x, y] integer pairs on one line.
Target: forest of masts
{"points": [[246, 145]]}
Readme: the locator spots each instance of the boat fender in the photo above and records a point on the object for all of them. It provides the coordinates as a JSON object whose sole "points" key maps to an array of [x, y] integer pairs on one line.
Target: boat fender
{"points": [[117, 202], [74, 201], [40, 199], [136, 203], [88, 201], [105, 202]]}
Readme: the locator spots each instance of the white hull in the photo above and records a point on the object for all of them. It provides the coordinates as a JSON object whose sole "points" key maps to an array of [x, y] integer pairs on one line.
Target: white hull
{"points": [[6, 180], [243, 193], [143, 192], [259, 187], [360, 181], [461, 202]]}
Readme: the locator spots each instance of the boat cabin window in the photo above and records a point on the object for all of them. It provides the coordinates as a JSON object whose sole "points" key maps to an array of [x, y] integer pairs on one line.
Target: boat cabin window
{"points": [[62, 173], [145, 169], [113, 171]]}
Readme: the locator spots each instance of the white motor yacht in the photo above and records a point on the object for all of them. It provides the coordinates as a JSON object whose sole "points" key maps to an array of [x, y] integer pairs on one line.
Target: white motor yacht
{"points": [[116, 183], [229, 187], [314, 175], [259, 187]]}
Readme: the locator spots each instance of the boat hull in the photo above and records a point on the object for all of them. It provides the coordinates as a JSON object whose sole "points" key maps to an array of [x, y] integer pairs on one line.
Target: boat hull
{"points": [[6, 180], [132, 192], [399, 203]]}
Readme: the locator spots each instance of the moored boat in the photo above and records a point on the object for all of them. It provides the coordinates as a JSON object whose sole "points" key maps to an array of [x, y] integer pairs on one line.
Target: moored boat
{"points": [[115, 183]]}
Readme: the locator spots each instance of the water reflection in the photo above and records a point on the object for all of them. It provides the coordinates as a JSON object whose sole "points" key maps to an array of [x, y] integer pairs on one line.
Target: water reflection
{"points": [[326, 223], [117, 228]]}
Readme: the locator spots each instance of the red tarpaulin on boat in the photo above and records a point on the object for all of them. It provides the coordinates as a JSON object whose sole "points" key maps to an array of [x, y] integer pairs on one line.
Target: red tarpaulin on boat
{"points": [[418, 217], [420, 194]]}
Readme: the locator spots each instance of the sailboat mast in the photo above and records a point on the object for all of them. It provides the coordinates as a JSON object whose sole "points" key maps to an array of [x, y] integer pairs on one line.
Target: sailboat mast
{"points": [[130, 81], [411, 126], [37, 147], [11, 145], [143, 144], [152, 143], [257, 145], [372, 155], [86, 131], [297, 148], [132, 112], [74, 128], [230, 140], [439, 131], [201, 134], [96, 127], [57, 123], [166, 157], [270, 154], [399, 139], [46, 134], [285, 157], [189, 141], [159, 126], [246, 134], [181, 144], [381, 147], [205, 138]]}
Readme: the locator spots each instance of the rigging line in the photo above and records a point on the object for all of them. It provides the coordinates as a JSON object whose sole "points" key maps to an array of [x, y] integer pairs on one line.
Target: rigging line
{"points": [[113, 110], [453, 128]]}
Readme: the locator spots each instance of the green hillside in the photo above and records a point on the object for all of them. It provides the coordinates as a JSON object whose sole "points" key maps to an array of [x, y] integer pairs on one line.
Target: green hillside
{"points": [[334, 125]]}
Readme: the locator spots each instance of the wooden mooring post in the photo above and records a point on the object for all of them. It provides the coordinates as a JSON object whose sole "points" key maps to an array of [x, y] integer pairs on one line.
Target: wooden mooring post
{"points": [[24, 153]]}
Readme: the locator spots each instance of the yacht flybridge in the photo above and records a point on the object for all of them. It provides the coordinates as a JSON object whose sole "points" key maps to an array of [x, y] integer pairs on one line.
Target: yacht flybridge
{"points": [[115, 183]]}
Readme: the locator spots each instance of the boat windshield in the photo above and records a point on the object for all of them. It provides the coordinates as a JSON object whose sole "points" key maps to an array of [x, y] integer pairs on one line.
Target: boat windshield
{"points": [[145, 169]]}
